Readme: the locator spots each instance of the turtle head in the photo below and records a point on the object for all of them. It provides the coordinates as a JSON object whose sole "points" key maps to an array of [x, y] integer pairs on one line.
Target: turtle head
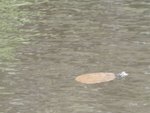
{"points": [[122, 74]]}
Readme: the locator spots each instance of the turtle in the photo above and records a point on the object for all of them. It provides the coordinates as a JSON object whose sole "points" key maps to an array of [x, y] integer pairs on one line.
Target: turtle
{"points": [[93, 78]]}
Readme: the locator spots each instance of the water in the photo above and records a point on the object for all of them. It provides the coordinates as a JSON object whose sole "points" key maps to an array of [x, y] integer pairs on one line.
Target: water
{"points": [[72, 37]]}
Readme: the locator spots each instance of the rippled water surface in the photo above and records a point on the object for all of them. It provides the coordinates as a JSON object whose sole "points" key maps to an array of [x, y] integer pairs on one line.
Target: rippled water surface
{"points": [[67, 38]]}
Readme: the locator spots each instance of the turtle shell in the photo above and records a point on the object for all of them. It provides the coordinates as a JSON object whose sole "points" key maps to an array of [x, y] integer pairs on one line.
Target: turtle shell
{"points": [[93, 78]]}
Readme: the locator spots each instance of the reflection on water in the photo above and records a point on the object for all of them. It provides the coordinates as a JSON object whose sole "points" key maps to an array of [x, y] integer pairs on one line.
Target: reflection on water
{"points": [[73, 37]]}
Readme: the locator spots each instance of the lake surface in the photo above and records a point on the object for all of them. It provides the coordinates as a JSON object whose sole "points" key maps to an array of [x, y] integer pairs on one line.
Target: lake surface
{"points": [[66, 38]]}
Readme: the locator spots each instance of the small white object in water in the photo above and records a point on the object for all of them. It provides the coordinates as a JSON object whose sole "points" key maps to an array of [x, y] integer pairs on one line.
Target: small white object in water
{"points": [[122, 74]]}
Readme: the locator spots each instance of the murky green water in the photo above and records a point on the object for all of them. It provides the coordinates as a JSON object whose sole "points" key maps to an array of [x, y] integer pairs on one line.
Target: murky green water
{"points": [[64, 38]]}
